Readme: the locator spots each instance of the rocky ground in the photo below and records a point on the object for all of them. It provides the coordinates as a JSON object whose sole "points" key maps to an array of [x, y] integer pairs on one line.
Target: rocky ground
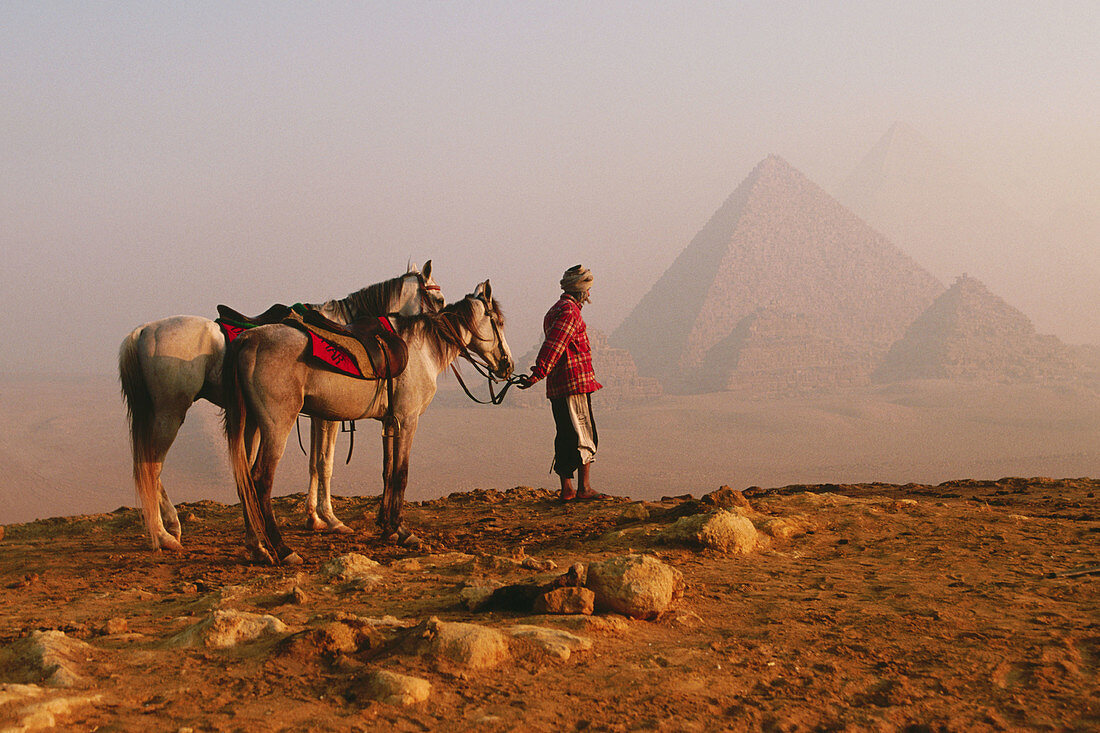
{"points": [[965, 606]]}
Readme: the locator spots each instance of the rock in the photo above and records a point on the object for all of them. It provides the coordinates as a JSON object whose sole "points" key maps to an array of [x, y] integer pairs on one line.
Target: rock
{"points": [[408, 565], [684, 619], [466, 645], [785, 528], [640, 586], [722, 530], [555, 642], [569, 600], [727, 498], [224, 629], [476, 597], [636, 512], [328, 641], [396, 689], [352, 567], [49, 657], [115, 625], [1, 533], [611, 623], [38, 714], [532, 563], [297, 596]]}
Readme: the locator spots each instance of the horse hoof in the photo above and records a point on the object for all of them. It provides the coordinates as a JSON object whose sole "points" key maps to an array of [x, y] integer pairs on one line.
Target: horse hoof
{"points": [[168, 542], [341, 528], [406, 538], [314, 524], [261, 556]]}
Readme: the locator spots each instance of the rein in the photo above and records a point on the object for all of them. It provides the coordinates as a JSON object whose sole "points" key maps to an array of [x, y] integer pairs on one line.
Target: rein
{"points": [[494, 397]]}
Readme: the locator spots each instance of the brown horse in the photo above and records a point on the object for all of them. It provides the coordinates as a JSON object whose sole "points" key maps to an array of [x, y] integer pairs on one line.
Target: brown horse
{"points": [[269, 379], [166, 365]]}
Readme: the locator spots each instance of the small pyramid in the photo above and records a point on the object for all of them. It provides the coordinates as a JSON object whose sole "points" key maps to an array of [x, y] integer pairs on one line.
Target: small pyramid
{"points": [[970, 333], [779, 241]]}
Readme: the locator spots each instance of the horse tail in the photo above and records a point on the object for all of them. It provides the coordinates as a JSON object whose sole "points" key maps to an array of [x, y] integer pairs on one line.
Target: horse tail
{"points": [[236, 415], [140, 416]]}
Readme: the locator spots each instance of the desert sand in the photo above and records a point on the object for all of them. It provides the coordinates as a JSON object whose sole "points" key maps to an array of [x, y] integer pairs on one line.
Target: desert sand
{"points": [[967, 606], [64, 449]]}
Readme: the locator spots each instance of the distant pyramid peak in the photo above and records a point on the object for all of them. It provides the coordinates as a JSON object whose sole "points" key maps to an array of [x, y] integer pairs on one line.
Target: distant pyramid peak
{"points": [[896, 151]]}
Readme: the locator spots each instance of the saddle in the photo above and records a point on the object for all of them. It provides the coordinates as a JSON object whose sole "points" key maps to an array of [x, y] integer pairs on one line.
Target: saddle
{"points": [[368, 348]]}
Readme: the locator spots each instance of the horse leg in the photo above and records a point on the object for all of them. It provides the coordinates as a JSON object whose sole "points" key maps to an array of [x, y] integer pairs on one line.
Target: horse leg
{"points": [[316, 442], [400, 479], [252, 541], [388, 438], [168, 513], [322, 455], [263, 476], [166, 424]]}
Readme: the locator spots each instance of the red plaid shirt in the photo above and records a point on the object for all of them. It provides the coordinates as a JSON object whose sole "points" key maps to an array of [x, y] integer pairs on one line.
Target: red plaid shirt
{"points": [[565, 359]]}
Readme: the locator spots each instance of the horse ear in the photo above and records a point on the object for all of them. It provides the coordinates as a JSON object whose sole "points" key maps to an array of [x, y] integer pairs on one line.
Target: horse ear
{"points": [[411, 267], [427, 271], [487, 289]]}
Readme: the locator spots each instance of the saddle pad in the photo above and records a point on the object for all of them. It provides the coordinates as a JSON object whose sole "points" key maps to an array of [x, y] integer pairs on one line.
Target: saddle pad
{"points": [[349, 350]]}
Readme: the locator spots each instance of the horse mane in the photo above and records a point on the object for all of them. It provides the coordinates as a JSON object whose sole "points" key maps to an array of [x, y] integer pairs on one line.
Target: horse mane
{"points": [[373, 300], [441, 329]]}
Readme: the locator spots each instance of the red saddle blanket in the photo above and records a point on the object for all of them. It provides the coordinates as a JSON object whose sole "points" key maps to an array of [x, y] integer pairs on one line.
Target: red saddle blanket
{"points": [[366, 349]]}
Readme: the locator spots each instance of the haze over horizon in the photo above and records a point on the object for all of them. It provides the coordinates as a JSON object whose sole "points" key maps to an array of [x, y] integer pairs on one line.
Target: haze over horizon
{"points": [[163, 159]]}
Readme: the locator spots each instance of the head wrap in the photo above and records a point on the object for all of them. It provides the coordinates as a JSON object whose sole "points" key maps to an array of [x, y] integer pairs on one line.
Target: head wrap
{"points": [[577, 280]]}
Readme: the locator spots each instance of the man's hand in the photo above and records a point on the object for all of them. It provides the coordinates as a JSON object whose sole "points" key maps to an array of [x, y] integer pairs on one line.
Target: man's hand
{"points": [[523, 381]]}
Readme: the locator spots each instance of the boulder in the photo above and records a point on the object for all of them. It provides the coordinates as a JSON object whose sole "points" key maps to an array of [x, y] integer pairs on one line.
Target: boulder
{"points": [[34, 709], [116, 625], [785, 528], [396, 689], [727, 498], [353, 567], [555, 642], [476, 596], [49, 657], [570, 600], [223, 629], [636, 512], [640, 586], [722, 530], [466, 645]]}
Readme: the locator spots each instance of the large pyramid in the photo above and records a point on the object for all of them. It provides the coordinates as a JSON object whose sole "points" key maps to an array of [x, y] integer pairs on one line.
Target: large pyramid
{"points": [[780, 243], [970, 333]]}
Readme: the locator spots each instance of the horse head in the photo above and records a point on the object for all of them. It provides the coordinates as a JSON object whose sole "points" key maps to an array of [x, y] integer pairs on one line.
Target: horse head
{"points": [[487, 328]]}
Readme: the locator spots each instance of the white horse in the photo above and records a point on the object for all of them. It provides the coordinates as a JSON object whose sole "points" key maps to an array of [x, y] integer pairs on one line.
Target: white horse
{"points": [[167, 365], [269, 380]]}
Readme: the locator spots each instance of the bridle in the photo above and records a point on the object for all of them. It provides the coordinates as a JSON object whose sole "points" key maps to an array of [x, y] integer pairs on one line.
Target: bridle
{"points": [[482, 366]]}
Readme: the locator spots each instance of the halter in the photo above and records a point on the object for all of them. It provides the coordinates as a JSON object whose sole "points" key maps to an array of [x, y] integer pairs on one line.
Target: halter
{"points": [[427, 304], [483, 368]]}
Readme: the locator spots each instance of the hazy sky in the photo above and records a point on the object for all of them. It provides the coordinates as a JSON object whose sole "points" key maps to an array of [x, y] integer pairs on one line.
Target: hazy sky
{"points": [[160, 158]]}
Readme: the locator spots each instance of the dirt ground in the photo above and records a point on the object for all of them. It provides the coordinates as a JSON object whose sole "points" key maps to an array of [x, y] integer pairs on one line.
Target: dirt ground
{"points": [[958, 607]]}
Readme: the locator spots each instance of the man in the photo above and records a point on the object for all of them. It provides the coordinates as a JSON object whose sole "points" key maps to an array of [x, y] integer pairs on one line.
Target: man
{"points": [[565, 361]]}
